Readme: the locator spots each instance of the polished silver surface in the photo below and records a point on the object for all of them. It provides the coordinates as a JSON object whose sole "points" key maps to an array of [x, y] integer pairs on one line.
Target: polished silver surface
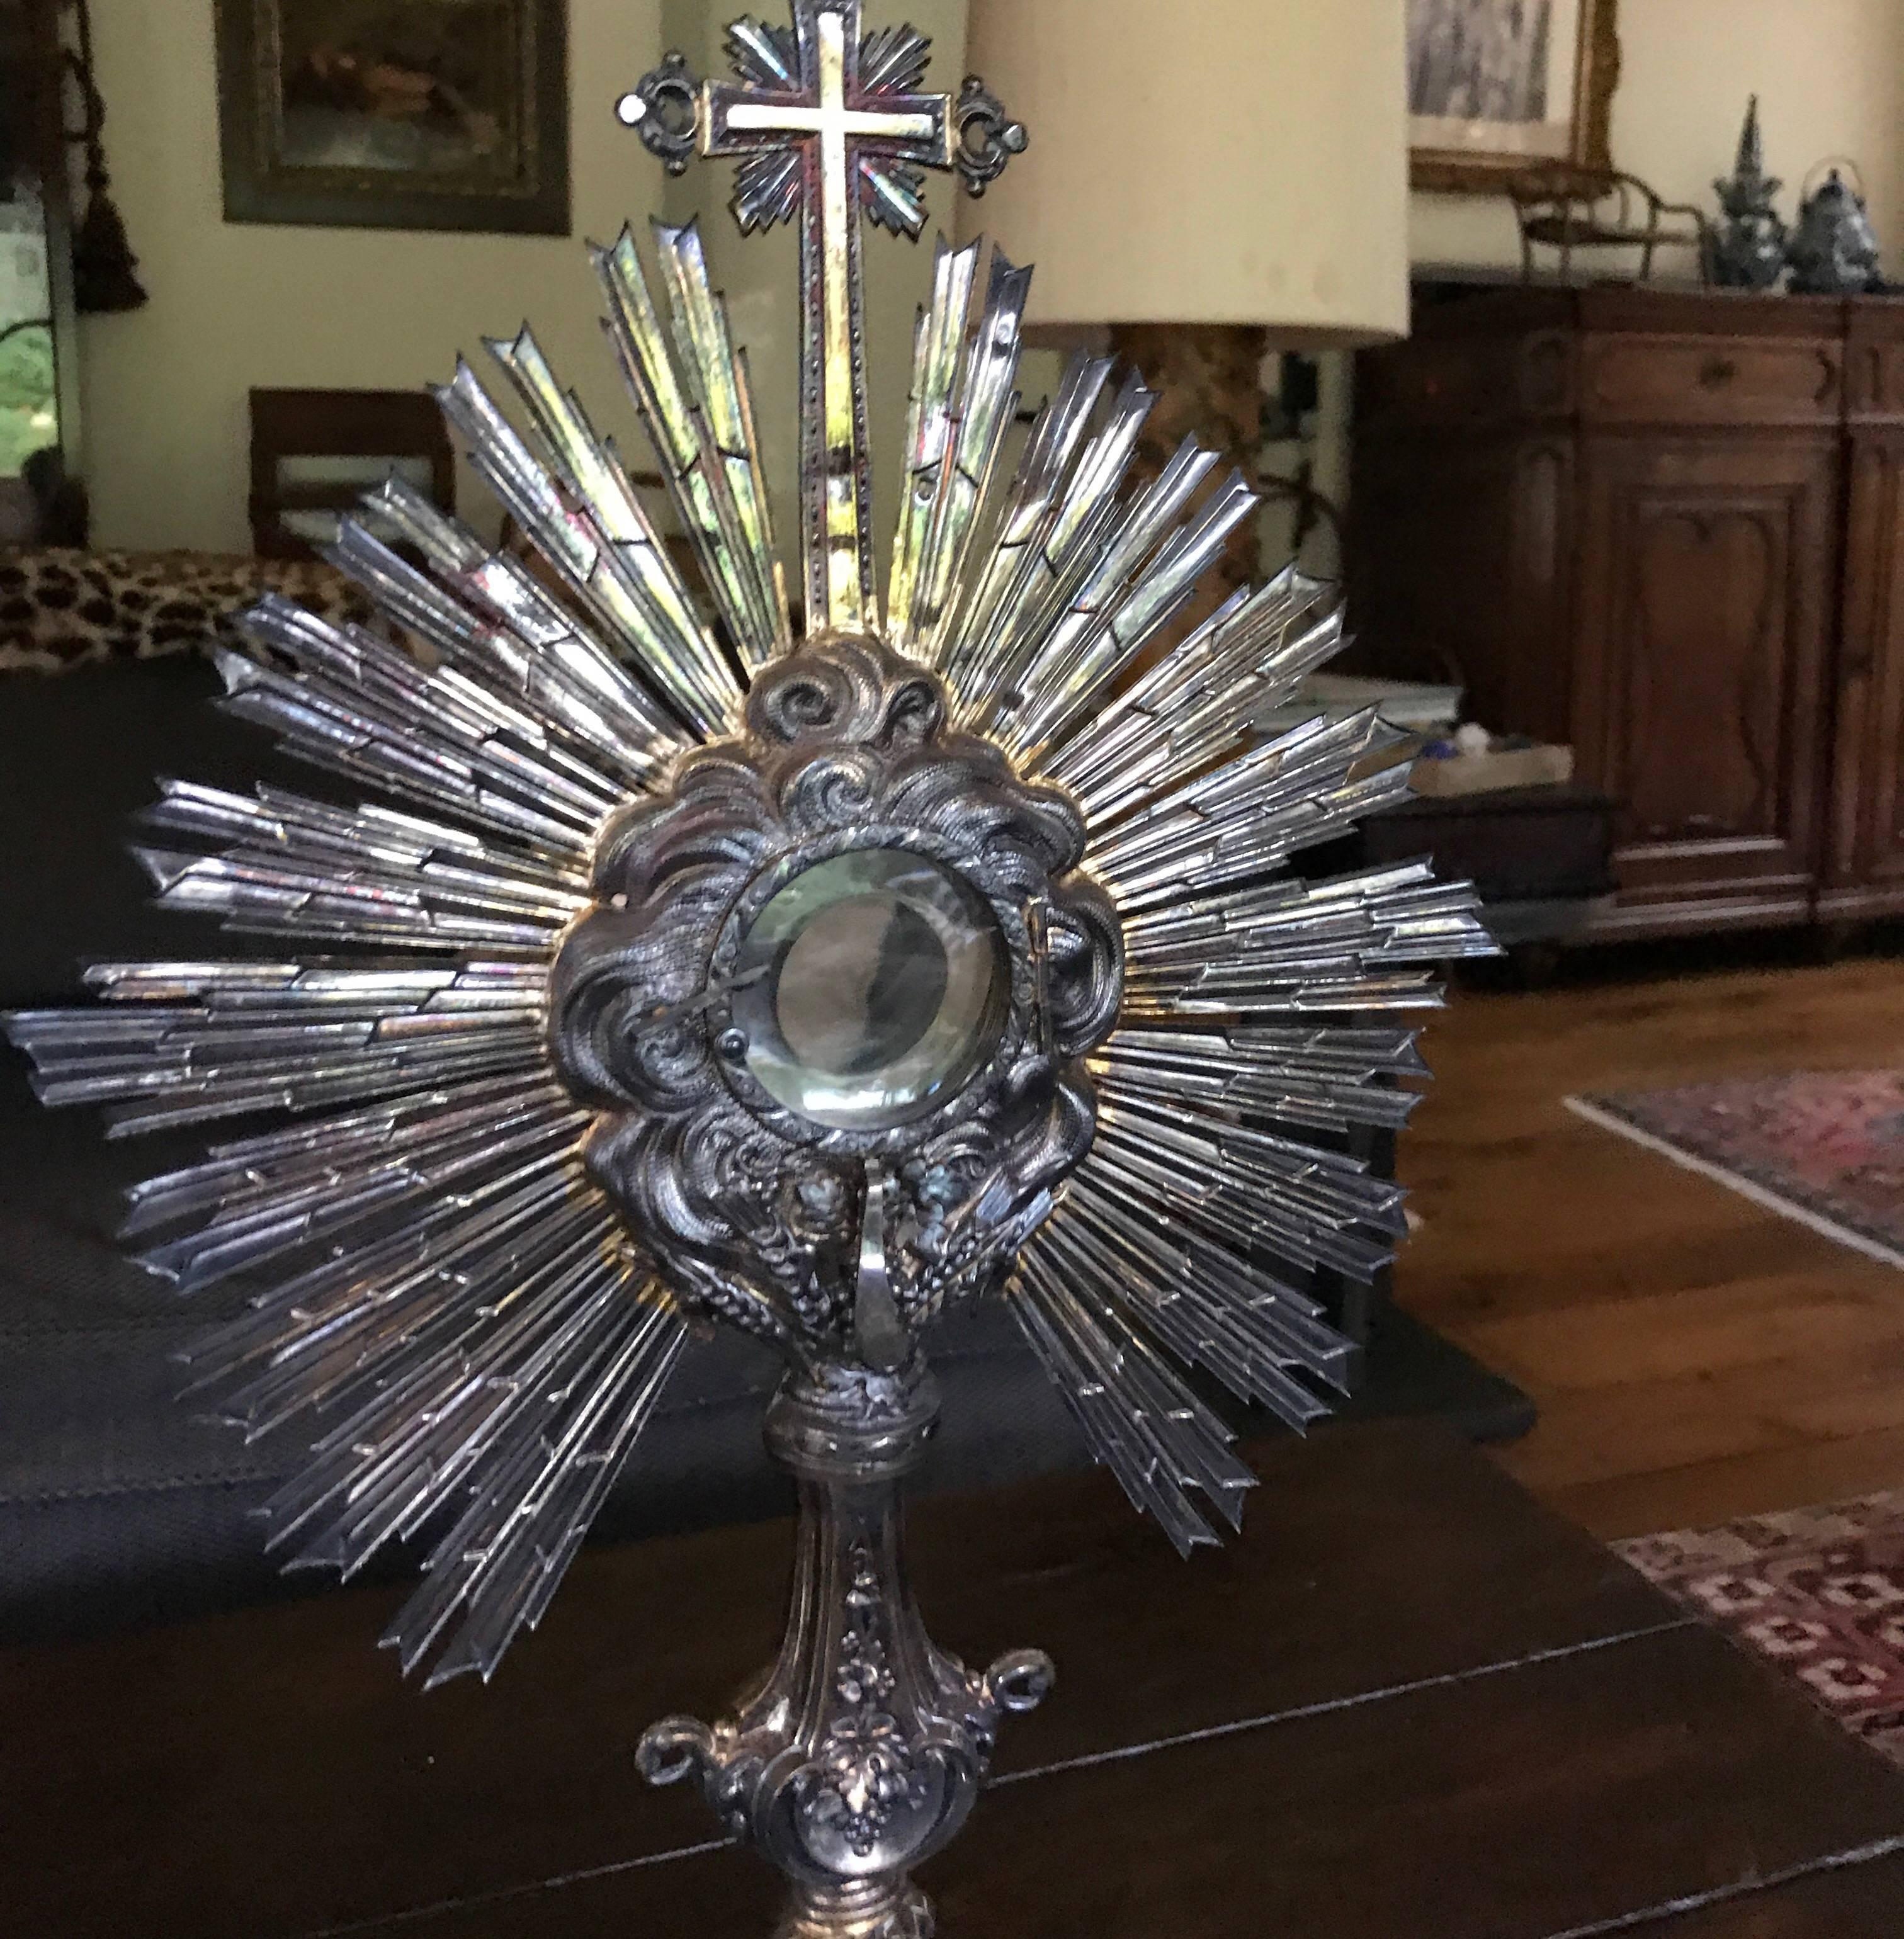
{"points": [[747, 1180], [864, 1749], [830, 124], [697, 955]]}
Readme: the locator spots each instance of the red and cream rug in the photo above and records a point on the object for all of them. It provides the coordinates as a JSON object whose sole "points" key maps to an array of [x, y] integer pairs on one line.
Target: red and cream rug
{"points": [[1826, 1148], [1818, 1592]]}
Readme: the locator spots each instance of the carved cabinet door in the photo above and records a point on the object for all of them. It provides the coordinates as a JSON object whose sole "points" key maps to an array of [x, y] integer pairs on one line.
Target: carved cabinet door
{"points": [[1708, 568], [1866, 864]]}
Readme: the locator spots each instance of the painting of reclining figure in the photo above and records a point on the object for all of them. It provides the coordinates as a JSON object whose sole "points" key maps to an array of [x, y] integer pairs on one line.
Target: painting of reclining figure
{"points": [[395, 113]]}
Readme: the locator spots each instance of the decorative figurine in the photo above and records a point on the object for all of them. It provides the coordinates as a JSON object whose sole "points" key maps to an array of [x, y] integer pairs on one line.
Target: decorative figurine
{"points": [[696, 964], [1748, 247], [1833, 252]]}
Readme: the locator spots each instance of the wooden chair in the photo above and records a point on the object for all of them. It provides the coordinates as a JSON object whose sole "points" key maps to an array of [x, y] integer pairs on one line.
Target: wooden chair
{"points": [[1565, 211], [314, 452]]}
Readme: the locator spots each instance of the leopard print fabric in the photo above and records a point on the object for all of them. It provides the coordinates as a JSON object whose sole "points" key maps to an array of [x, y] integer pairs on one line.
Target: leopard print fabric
{"points": [[60, 609]]}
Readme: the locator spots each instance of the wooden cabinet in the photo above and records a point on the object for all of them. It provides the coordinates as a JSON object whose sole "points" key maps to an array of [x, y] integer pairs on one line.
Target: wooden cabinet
{"points": [[1864, 842], [1683, 552], [1704, 589]]}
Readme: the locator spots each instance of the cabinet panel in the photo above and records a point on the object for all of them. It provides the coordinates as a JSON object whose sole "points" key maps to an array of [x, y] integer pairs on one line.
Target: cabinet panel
{"points": [[1874, 361], [1707, 569], [1442, 384], [1866, 857], [1719, 381], [1461, 569]]}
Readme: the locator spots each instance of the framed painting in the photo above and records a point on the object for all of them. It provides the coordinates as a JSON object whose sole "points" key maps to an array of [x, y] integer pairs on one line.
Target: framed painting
{"points": [[396, 113], [1499, 89]]}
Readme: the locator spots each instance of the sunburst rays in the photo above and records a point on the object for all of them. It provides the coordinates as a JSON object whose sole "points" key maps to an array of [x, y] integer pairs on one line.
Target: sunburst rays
{"points": [[437, 1291]]}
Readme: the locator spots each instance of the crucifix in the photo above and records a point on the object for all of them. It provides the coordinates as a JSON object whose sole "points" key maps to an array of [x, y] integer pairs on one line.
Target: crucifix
{"points": [[829, 125]]}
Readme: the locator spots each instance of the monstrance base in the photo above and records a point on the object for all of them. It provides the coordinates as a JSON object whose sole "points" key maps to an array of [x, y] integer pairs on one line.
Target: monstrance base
{"points": [[861, 1752], [873, 1910]]}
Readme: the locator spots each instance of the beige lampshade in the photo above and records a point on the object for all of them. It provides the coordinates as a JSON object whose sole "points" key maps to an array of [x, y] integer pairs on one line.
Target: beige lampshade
{"points": [[1204, 161]]}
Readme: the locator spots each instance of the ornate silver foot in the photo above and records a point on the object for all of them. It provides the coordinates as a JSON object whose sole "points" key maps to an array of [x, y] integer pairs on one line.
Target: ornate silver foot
{"points": [[871, 1910], [861, 1752]]}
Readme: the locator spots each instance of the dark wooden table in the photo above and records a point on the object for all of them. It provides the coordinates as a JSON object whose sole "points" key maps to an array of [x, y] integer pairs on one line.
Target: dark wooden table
{"points": [[1410, 1702]]}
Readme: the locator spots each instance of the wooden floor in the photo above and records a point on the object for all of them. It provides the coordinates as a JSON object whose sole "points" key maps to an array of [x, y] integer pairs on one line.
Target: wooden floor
{"points": [[1694, 1357]]}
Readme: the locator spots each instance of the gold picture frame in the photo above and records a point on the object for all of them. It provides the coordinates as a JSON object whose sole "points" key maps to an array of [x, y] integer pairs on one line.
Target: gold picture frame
{"points": [[1516, 87]]}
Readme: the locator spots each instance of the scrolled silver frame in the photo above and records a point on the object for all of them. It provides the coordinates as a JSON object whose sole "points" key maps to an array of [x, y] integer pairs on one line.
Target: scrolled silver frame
{"points": [[847, 747]]}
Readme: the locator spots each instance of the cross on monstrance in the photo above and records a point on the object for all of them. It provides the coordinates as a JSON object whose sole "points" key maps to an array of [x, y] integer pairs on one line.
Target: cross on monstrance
{"points": [[829, 124]]}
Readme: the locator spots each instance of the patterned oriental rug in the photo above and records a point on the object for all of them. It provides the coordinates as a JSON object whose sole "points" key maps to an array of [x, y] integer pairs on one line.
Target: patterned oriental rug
{"points": [[1818, 1592], [1824, 1148]]}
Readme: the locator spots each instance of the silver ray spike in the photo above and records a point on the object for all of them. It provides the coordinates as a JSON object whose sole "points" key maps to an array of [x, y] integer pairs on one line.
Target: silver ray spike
{"points": [[360, 1354], [1223, 1069], [1209, 1307], [293, 867], [763, 53], [379, 837], [1267, 803], [242, 1042], [988, 404], [263, 1227], [349, 701], [505, 1562], [401, 1363], [894, 57], [249, 1229], [1231, 950], [1065, 641], [477, 1234], [1121, 741], [1326, 1183], [599, 485], [1140, 1420], [1105, 652], [1254, 819], [487, 783], [1340, 1054], [931, 427], [464, 987], [314, 1067], [543, 1425], [1196, 704], [692, 393], [705, 344], [601, 583], [1050, 454], [1071, 505], [414, 1388], [524, 637], [1067, 616], [1307, 1205], [253, 1163]]}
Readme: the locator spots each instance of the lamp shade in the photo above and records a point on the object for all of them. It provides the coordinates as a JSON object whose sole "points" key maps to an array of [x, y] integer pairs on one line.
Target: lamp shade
{"points": [[1205, 161]]}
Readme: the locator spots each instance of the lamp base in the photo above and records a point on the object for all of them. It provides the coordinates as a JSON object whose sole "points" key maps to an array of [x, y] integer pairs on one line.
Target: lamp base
{"points": [[862, 1750], [1208, 379]]}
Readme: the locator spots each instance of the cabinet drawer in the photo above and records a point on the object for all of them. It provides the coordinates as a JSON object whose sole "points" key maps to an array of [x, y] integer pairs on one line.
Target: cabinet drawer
{"points": [[1461, 384], [1719, 381]]}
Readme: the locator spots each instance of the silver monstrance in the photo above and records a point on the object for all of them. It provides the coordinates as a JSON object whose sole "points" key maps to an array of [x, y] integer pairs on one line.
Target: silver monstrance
{"points": [[815, 971]]}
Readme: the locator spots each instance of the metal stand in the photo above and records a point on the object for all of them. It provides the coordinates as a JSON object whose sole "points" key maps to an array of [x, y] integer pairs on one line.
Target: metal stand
{"points": [[860, 1752]]}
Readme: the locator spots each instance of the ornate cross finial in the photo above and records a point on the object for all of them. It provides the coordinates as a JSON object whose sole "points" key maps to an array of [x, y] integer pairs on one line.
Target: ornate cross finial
{"points": [[829, 125]]}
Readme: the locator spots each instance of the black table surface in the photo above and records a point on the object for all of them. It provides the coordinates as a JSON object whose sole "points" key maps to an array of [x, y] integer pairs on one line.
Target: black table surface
{"points": [[1409, 1701]]}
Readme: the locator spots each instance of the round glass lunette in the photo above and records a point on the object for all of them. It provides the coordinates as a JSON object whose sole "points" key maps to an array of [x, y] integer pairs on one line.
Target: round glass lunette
{"points": [[870, 989]]}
